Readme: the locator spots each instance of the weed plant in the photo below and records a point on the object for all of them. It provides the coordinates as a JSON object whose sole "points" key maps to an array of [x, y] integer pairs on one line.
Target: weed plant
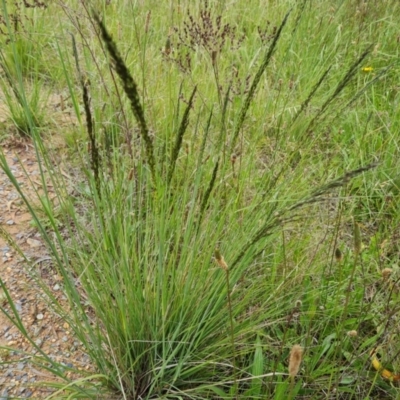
{"points": [[223, 242]]}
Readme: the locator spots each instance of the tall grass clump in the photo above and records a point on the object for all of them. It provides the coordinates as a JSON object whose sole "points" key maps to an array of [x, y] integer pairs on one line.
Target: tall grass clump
{"points": [[191, 256], [21, 65]]}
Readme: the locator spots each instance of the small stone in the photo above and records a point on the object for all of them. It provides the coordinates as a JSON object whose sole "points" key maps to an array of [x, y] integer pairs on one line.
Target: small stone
{"points": [[40, 316], [65, 326], [65, 339], [18, 306], [10, 222], [4, 395], [33, 242], [56, 287], [36, 331], [21, 366]]}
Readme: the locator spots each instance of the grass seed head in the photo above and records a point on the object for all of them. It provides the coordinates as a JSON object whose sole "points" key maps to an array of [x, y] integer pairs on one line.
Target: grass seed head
{"points": [[167, 48], [386, 273], [220, 260], [338, 255], [296, 356], [146, 26], [357, 237], [352, 333]]}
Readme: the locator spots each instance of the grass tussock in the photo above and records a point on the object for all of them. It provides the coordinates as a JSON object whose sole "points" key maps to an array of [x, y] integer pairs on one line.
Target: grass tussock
{"points": [[283, 158]]}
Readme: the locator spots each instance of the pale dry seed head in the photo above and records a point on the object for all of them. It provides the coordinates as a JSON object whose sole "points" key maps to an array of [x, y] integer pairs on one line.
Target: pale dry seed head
{"points": [[296, 355], [352, 333], [386, 273], [220, 260]]}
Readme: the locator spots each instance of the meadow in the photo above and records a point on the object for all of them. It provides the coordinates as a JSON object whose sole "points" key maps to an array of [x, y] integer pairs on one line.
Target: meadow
{"points": [[233, 227]]}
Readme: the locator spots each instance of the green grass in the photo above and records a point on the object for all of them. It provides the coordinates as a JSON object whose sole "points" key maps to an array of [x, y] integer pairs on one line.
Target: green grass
{"points": [[253, 144]]}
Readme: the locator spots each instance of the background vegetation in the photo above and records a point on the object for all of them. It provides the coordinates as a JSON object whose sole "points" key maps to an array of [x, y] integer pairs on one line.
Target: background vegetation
{"points": [[238, 194]]}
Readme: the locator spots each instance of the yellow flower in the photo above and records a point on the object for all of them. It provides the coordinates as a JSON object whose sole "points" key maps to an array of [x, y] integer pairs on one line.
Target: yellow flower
{"points": [[367, 69]]}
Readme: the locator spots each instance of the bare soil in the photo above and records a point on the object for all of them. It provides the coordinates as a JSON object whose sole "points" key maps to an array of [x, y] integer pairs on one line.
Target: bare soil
{"points": [[18, 375]]}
